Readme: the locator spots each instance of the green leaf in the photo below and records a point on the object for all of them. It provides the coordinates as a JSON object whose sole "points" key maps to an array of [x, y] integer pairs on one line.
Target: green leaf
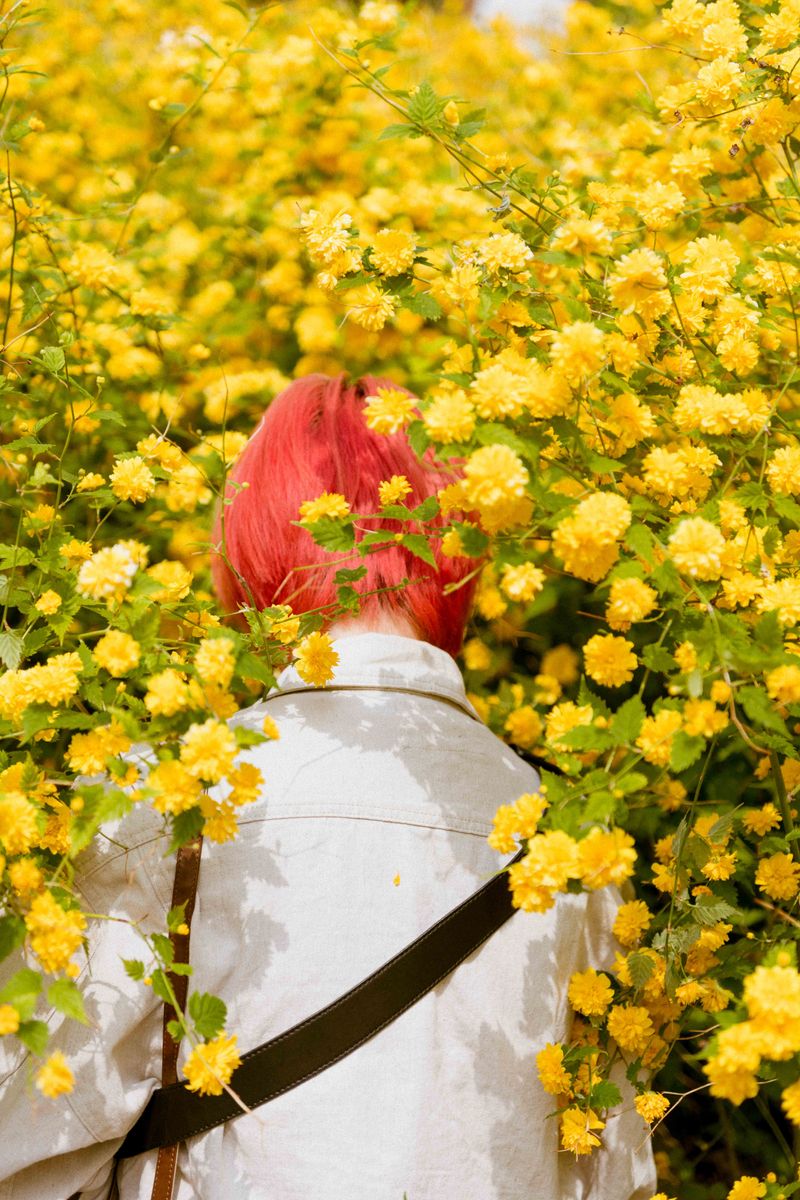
{"points": [[12, 934], [250, 666], [474, 540], [397, 131], [11, 644], [424, 106], [248, 737], [418, 438], [332, 534], [627, 721], [710, 909], [640, 967], [34, 1035], [423, 304], [185, 826], [161, 986], [22, 990], [18, 556], [134, 968], [428, 509], [417, 543], [658, 659], [605, 1094], [760, 709], [66, 998], [686, 749], [53, 358], [175, 1030], [208, 1013], [163, 948], [350, 574]]}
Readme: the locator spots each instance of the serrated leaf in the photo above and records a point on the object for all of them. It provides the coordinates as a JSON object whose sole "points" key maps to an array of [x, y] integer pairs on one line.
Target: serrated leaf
{"points": [[250, 666], [22, 990], [474, 540], [397, 131], [349, 574], [418, 544], [658, 659], [12, 934], [428, 509], [423, 304], [34, 1035], [11, 644], [163, 948], [185, 826], [332, 534], [760, 709], [53, 358], [640, 967], [605, 1094], [66, 998], [423, 106], [686, 749], [709, 910], [208, 1013], [627, 721], [134, 969], [161, 986], [175, 1030]]}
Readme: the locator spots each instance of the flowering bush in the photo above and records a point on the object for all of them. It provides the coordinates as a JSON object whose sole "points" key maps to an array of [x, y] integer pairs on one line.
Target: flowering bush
{"points": [[592, 285]]}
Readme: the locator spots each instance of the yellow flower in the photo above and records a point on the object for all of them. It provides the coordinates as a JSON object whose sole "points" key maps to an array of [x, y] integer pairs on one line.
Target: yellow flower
{"points": [[370, 307], [9, 1019], [523, 582], [505, 252], [389, 410], [590, 993], [55, 1078], [87, 753], [450, 417], [631, 1027], [495, 483], [783, 684], [696, 546], [524, 726], [48, 603], [108, 574], [578, 351], [55, 932], [215, 660], [270, 728], [25, 876], [747, 1187], [651, 1106], [283, 625], [554, 1078], [18, 826], [790, 1101], [609, 660], [779, 876], [606, 857], [210, 1066], [117, 652], [209, 750], [167, 693], [328, 504], [132, 479], [631, 921], [761, 820], [393, 490], [392, 251], [315, 659], [576, 1130], [175, 578], [656, 734], [176, 788]]}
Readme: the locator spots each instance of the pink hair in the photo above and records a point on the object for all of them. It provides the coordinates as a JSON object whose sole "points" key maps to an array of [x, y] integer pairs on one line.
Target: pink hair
{"points": [[312, 439]]}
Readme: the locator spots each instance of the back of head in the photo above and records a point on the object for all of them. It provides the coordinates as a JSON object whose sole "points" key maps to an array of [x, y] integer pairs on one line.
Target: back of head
{"points": [[312, 439]]}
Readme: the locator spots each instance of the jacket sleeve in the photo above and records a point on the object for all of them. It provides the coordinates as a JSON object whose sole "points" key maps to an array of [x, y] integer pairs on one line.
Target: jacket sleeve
{"points": [[55, 1147]]}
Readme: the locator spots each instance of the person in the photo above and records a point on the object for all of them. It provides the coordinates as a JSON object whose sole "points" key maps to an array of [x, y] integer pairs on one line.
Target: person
{"points": [[379, 797]]}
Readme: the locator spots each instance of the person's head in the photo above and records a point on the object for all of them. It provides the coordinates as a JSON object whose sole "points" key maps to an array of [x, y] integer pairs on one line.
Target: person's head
{"points": [[312, 439]]}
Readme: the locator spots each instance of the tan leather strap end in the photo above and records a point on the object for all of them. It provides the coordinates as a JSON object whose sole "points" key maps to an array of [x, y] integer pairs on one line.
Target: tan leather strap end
{"points": [[184, 891]]}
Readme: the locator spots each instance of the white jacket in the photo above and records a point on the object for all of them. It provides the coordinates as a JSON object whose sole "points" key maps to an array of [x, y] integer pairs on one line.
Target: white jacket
{"points": [[377, 804]]}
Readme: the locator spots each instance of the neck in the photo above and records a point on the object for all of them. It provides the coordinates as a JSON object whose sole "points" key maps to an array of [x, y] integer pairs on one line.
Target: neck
{"points": [[374, 622]]}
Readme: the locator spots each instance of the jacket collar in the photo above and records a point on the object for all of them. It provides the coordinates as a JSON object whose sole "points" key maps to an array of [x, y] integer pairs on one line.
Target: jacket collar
{"points": [[388, 661]]}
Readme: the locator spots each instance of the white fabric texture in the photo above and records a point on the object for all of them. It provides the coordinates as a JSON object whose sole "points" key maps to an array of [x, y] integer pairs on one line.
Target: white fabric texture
{"points": [[373, 825]]}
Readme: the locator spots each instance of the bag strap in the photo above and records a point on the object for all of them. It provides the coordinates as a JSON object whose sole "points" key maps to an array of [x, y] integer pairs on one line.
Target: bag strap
{"points": [[184, 891], [173, 1113]]}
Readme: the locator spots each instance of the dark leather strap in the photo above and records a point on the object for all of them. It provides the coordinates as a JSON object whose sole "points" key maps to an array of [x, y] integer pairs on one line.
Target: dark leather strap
{"points": [[173, 1113], [184, 891]]}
